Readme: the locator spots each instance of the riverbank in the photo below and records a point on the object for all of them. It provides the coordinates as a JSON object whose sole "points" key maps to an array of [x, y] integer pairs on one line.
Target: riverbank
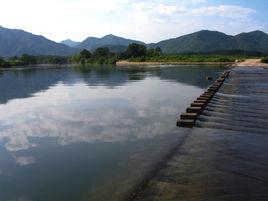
{"points": [[146, 63], [247, 62], [250, 62]]}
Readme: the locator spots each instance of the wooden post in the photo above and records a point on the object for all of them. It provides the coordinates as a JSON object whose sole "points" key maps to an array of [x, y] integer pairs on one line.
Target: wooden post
{"points": [[189, 123], [188, 119]]}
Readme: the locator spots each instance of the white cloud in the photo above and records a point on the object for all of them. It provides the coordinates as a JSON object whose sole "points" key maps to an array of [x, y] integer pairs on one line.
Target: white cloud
{"points": [[166, 9], [155, 9], [76, 114], [236, 26], [24, 160], [78, 19], [154, 21], [198, 1], [228, 11]]}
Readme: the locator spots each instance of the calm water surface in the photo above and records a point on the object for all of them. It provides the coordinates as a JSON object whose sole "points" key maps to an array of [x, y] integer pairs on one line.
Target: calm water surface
{"points": [[71, 134]]}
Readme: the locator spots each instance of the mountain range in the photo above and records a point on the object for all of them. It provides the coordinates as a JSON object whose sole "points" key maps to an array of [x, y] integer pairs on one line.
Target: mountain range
{"points": [[15, 42], [211, 41], [91, 43]]}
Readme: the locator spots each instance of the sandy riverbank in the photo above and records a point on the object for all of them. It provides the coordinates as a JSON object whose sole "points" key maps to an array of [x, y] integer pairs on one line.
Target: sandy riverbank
{"points": [[248, 62], [128, 63], [251, 62]]}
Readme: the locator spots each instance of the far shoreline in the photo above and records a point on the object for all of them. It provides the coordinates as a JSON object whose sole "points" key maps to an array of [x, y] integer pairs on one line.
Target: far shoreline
{"points": [[247, 62], [251, 63], [149, 63]]}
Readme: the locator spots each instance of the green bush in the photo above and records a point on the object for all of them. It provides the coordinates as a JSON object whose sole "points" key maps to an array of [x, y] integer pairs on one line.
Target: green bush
{"points": [[264, 60], [225, 59]]}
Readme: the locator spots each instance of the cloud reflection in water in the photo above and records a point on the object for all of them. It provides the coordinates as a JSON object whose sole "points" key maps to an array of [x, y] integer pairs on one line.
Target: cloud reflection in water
{"points": [[80, 113]]}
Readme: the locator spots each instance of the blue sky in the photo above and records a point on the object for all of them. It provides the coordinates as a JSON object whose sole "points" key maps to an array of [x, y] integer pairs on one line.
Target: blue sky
{"points": [[149, 21]]}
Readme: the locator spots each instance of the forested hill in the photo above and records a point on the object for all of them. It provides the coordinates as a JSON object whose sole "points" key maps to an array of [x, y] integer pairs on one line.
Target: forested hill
{"points": [[15, 42], [209, 41], [92, 43]]}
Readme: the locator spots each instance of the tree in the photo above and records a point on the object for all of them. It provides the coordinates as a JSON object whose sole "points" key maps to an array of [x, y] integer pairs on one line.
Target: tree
{"points": [[136, 50], [28, 59], [158, 50], [102, 52], [85, 54], [150, 52], [154, 52]]}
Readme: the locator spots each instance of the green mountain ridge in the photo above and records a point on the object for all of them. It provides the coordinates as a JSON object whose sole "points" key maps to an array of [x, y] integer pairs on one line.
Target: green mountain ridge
{"points": [[253, 41], [209, 41], [15, 42], [92, 43]]}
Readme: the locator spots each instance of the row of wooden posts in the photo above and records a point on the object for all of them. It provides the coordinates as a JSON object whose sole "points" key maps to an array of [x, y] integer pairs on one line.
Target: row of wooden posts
{"points": [[188, 119]]}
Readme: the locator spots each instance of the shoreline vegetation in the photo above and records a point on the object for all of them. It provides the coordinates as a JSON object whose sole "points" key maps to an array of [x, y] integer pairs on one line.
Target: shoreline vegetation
{"points": [[264, 60], [134, 55]]}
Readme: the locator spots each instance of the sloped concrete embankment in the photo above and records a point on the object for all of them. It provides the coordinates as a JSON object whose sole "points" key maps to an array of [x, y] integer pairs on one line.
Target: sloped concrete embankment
{"points": [[224, 157]]}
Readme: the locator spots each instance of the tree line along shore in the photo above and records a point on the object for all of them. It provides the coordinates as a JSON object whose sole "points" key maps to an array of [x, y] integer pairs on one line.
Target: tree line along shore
{"points": [[135, 53]]}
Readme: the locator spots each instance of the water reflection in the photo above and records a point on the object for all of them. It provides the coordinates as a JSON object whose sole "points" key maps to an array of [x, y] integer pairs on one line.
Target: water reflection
{"points": [[79, 134], [24, 83], [79, 113]]}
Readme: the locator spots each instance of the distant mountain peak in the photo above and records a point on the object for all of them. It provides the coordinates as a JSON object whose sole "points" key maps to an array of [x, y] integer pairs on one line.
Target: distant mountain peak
{"points": [[110, 40], [206, 31], [257, 32], [15, 42], [67, 40], [70, 43], [109, 35], [211, 41], [209, 32]]}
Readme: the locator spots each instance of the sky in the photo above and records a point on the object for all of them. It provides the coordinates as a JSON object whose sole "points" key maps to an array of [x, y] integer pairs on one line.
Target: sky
{"points": [[149, 21]]}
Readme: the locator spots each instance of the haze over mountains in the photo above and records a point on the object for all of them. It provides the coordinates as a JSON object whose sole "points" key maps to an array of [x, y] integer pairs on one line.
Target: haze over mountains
{"points": [[14, 42]]}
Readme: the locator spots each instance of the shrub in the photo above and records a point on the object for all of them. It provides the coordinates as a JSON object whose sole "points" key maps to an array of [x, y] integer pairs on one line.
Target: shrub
{"points": [[224, 59], [264, 60]]}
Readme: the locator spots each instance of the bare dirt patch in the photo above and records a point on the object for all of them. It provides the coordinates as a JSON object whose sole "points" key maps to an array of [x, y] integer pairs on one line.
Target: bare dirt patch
{"points": [[251, 62]]}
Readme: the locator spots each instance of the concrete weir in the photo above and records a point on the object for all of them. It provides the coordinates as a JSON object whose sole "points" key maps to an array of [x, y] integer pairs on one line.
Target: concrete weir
{"points": [[188, 119], [225, 154]]}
